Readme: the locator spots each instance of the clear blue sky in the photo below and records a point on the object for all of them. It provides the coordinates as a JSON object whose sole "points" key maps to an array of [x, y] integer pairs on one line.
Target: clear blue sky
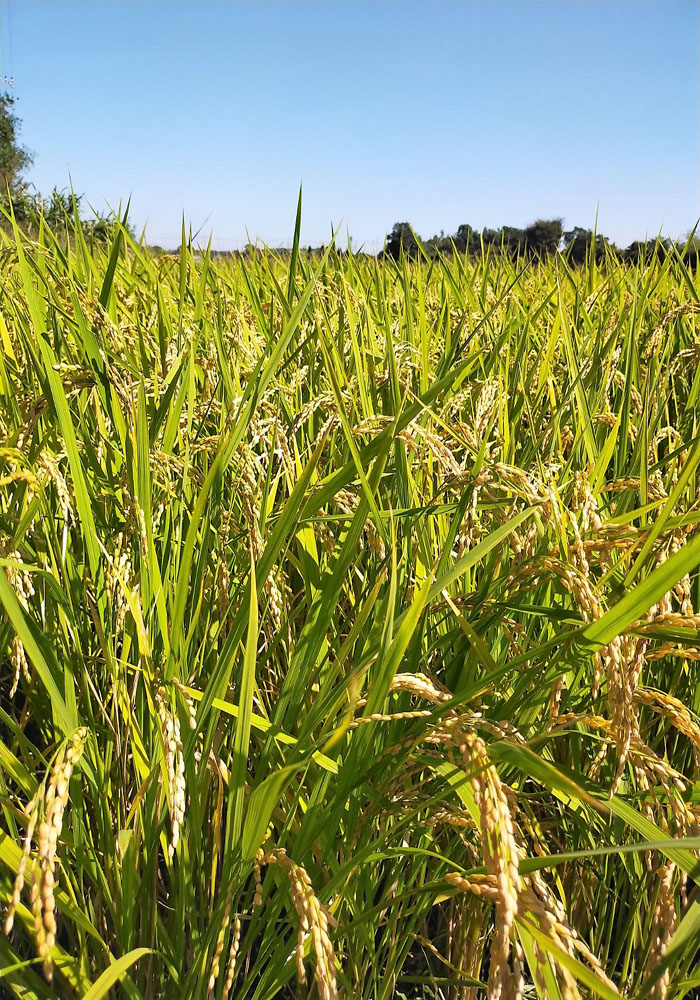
{"points": [[436, 112]]}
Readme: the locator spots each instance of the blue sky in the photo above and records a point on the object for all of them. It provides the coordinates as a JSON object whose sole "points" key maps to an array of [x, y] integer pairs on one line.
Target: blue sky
{"points": [[436, 112]]}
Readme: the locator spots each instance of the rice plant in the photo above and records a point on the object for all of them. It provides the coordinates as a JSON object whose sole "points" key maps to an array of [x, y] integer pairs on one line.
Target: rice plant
{"points": [[349, 627]]}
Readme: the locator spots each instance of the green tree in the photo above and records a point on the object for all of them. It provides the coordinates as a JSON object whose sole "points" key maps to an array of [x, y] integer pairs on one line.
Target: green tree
{"points": [[402, 239], [14, 158], [646, 251], [467, 239], [690, 245], [512, 239], [544, 236], [58, 208], [578, 245]]}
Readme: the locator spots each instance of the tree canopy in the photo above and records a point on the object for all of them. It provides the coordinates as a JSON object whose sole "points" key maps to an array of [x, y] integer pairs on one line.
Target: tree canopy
{"points": [[14, 158], [538, 240], [400, 240]]}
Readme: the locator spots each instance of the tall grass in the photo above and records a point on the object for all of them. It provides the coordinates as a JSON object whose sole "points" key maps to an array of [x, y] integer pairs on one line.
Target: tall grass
{"points": [[349, 634]]}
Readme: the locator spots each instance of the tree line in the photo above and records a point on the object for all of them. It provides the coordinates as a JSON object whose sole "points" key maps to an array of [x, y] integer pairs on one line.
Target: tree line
{"points": [[539, 240]]}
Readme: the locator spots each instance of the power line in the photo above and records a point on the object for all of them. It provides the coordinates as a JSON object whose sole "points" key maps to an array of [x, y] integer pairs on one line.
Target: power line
{"points": [[6, 79], [9, 38]]}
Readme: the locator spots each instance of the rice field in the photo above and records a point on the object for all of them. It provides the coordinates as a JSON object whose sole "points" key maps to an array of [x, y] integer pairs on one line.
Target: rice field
{"points": [[350, 628]]}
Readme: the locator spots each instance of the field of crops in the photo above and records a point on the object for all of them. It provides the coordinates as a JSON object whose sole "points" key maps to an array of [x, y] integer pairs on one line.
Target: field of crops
{"points": [[350, 629]]}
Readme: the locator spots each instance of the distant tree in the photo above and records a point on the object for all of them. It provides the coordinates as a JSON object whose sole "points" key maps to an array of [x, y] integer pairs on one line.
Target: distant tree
{"points": [[512, 240], [100, 229], [490, 238], [103, 228], [635, 251], [467, 239], [645, 251], [690, 246], [438, 244], [578, 243], [14, 158], [58, 207], [543, 237], [402, 239]]}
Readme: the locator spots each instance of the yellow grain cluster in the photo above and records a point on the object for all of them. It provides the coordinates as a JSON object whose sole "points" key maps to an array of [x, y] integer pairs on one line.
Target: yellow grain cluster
{"points": [[313, 923], [174, 765], [45, 818]]}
